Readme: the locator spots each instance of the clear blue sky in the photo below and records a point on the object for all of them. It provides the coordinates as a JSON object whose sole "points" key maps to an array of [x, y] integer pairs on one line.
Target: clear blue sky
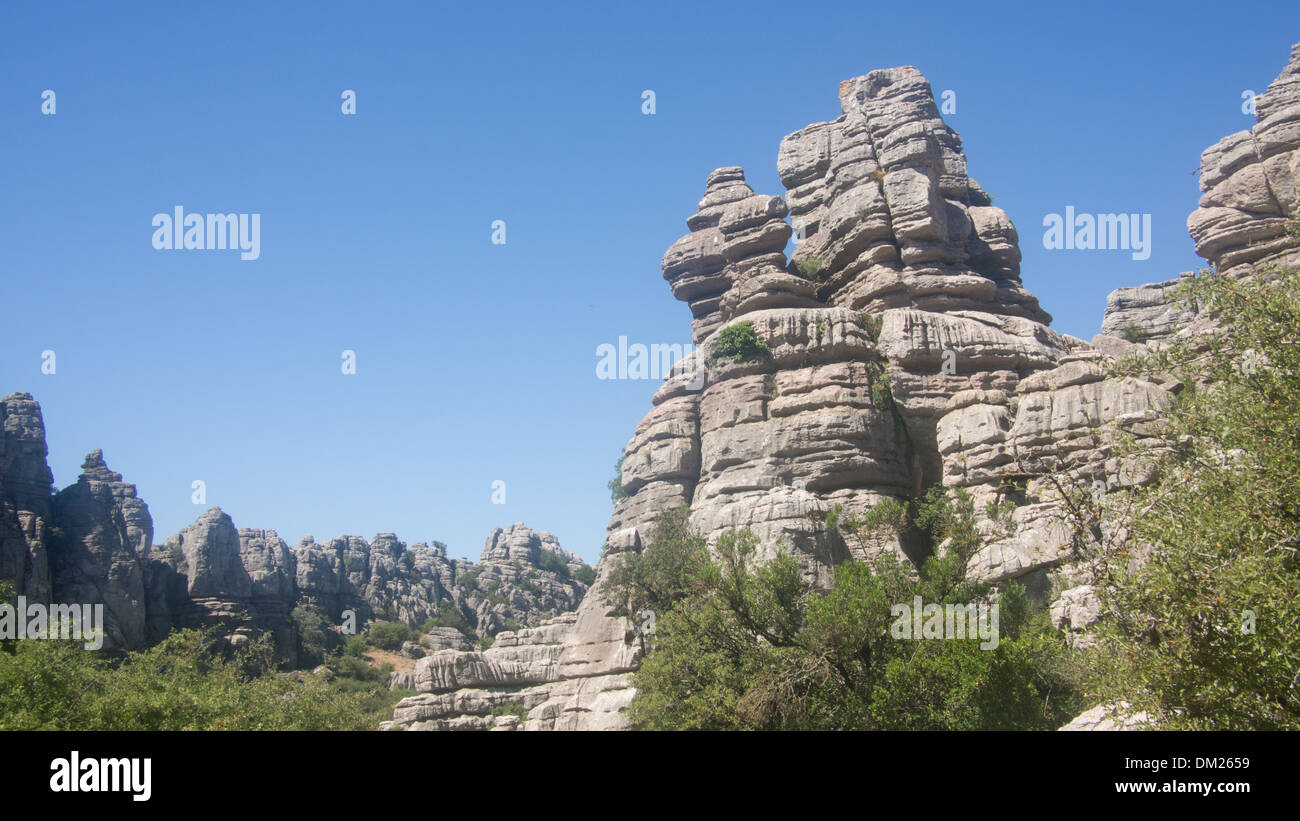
{"points": [[476, 362]]}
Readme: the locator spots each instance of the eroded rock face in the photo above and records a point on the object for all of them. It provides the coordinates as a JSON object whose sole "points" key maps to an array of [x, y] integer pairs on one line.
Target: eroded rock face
{"points": [[248, 582], [1248, 219]]}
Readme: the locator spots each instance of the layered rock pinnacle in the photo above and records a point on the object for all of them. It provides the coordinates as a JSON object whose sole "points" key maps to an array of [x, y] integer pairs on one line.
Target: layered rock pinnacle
{"points": [[901, 264]]}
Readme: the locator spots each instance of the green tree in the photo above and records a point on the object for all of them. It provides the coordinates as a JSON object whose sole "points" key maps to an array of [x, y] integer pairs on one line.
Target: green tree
{"points": [[389, 635], [744, 644], [309, 624]]}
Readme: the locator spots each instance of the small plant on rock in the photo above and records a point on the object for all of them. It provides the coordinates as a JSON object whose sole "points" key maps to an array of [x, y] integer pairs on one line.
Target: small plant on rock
{"points": [[810, 268], [739, 342]]}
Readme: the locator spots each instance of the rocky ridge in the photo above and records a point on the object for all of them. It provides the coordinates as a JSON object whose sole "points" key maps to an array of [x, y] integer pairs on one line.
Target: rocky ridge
{"points": [[93, 543]]}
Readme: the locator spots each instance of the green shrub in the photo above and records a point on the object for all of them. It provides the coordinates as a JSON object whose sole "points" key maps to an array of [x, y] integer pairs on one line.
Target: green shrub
{"points": [[872, 325], [552, 563], [309, 625], [510, 708], [741, 644], [738, 342], [881, 396], [586, 575], [389, 635], [1133, 333], [616, 493], [183, 683], [449, 615], [355, 646], [1201, 633], [810, 268], [468, 580]]}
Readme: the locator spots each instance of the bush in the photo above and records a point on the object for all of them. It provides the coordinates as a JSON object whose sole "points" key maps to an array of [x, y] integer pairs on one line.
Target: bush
{"points": [[309, 624], [449, 615], [389, 635], [552, 563], [355, 646], [510, 708], [872, 325], [616, 493], [738, 342], [662, 573], [586, 575], [1133, 333], [746, 645], [810, 268], [186, 682], [881, 395]]}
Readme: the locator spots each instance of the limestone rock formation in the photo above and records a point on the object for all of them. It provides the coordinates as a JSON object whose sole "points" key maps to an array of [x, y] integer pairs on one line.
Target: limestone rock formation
{"points": [[904, 353], [903, 293]]}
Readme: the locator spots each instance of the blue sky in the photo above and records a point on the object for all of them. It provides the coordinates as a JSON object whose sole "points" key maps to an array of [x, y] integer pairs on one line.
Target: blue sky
{"points": [[475, 361]]}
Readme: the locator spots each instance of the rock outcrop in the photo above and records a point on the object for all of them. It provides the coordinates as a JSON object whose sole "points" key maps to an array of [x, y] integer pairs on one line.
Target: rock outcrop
{"points": [[1145, 314]]}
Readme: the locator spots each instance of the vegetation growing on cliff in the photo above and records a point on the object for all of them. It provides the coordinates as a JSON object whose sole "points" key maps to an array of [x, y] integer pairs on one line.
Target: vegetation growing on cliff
{"points": [[616, 492], [738, 342]]}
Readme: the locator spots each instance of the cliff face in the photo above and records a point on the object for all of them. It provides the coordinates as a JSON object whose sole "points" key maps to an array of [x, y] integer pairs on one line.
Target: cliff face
{"points": [[904, 353], [93, 543]]}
